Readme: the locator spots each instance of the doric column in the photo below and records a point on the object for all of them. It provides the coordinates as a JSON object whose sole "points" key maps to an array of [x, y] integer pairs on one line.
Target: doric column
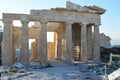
{"points": [[89, 42], [83, 42], [59, 49], [96, 43], [43, 42], [68, 42], [24, 54], [7, 43]]}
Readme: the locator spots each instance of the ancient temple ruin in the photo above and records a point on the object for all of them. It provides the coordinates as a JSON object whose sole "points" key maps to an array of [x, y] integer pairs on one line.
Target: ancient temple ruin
{"points": [[76, 30]]}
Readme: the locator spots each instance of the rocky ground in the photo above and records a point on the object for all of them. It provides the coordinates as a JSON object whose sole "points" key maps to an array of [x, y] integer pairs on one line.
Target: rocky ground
{"points": [[57, 70]]}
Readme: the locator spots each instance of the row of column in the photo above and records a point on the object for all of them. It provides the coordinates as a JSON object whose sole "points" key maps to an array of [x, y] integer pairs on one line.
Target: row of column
{"points": [[7, 56], [85, 53], [86, 43], [8, 50]]}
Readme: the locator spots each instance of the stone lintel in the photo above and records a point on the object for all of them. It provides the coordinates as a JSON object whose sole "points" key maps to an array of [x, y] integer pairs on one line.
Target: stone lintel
{"points": [[14, 16]]}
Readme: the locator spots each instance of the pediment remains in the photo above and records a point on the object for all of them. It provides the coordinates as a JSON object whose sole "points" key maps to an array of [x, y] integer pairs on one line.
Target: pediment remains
{"points": [[76, 7]]}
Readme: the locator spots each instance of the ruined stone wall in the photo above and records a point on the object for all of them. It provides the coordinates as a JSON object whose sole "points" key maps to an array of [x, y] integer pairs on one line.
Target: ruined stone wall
{"points": [[34, 33], [104, 40], [57, 20]]}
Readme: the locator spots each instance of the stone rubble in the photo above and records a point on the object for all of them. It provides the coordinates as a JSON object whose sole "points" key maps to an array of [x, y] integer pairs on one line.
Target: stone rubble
{"points": [[18, 70], [83, 71]]}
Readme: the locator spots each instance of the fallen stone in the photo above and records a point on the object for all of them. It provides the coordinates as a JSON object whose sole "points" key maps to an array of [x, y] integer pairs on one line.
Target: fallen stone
{"points": [[17, 67], [39, 66]]}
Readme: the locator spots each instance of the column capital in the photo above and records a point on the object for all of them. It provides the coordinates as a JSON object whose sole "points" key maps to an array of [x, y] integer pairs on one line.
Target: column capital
{"points": [[6, 20], [24, 19], [96, 24], [69, 22], [43, 21], [25, 22]]}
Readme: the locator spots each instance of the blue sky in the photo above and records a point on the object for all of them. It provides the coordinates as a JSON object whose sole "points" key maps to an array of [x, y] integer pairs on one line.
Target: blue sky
{"points": [[110, 20]]}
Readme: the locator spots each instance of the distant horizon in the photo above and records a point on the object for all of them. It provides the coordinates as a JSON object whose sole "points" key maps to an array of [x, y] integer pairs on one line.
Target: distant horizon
{"points": [[115, 42]]}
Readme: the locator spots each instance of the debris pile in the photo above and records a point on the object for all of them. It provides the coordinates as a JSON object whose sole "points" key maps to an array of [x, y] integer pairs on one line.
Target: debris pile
{"points": [[39, 66], [18, 70], [90, 70], [13, 72], [17, 67]]}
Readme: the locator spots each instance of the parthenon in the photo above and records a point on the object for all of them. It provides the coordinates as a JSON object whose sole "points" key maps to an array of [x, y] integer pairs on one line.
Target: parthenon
{"points": [[76, 29]]}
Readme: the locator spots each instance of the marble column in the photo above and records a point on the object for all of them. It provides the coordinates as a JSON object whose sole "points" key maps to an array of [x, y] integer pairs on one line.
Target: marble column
{"points": [[24, 51], [7, 43], [43, 42], [83, 42], [89, 42], [59, 49], [69, 42], [96, 43]]}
